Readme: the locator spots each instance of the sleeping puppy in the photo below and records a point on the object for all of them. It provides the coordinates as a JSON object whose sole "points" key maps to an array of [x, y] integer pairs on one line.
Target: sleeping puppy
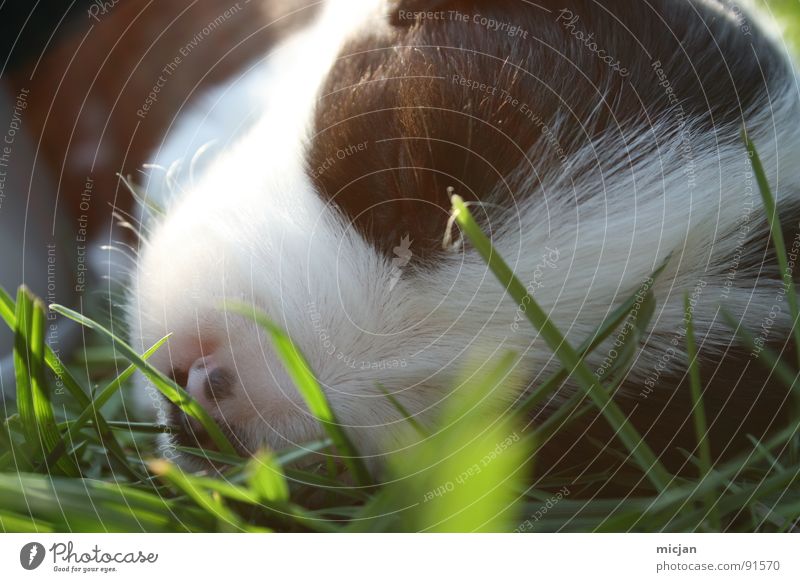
{"points": [[595, 141]]}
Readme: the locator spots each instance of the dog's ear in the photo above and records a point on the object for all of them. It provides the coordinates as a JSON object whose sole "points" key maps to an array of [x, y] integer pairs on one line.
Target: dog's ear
{"points": [[405, 12]]}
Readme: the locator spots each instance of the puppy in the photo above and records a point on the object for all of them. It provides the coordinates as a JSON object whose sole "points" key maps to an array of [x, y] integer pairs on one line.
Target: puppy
{"points": [[595, 141]]}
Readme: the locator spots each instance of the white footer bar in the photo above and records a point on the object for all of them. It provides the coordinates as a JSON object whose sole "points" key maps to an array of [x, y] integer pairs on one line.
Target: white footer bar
{"points": [[388, 557]]}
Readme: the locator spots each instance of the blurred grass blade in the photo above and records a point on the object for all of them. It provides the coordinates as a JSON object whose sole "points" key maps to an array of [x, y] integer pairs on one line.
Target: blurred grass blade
{"points": [[88, 505], [8, 309], [16, 523], [226, 519], [33, 393], [625, 431], [300, 372], [266, 478], [465, 476], [166, 386]]}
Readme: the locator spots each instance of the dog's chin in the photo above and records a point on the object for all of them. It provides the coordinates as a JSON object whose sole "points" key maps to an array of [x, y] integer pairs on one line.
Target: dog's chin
{"points": [[197, 453], [193, 449]]}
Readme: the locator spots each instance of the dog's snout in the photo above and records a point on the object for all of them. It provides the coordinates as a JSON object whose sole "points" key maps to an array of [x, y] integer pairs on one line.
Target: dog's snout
{"points": [[208, 382]]}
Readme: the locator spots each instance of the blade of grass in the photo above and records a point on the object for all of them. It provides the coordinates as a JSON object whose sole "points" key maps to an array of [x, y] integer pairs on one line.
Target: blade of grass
{"points": [[166, 386], [768, 358], [33, 394], [7, 313], [776, 234], [771, 459], [213, 456], [699, 414], [644, 297], [568, 411], [406, 415], [291, 455], [587, 381], [308, 387], [319, 481], [133, 427], [25, 409]]}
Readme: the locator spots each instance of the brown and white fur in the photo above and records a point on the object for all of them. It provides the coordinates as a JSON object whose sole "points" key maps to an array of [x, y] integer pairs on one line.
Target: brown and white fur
{"points": [[590, 160]]}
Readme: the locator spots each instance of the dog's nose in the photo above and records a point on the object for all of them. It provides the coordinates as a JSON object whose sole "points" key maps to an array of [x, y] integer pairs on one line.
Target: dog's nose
{"points": [[208, 382]]}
